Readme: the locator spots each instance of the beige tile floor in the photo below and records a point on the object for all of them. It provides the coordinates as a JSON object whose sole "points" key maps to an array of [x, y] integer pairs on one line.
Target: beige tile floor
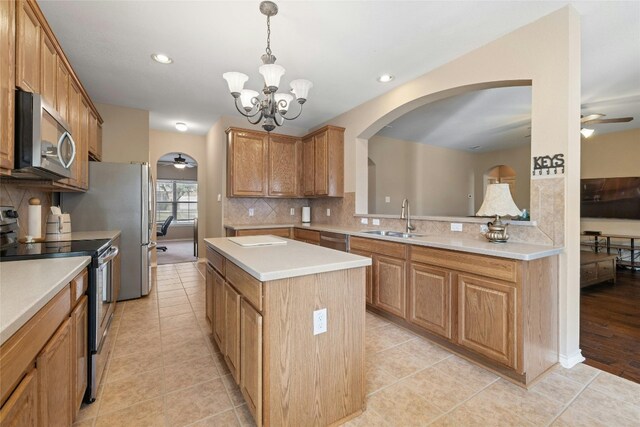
{"points": [[165, 371]]}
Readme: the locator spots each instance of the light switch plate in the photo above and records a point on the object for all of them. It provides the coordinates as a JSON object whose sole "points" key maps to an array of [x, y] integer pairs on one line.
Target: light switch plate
{"points": [[456, 226], [328, 212], [320, 321], [375, 221], [251, 211], [364, 220], [387, 199], [293, 211]]}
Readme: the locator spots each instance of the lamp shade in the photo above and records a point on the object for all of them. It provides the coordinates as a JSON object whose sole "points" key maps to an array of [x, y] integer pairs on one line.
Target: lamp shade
{"points": [[246, 95], [235, 81], [498, 201], [300, 88], [283, 97], [272, 74]]}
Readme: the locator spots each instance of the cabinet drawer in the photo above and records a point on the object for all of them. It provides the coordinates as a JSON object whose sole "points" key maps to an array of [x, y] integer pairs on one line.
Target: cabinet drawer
{"points": [[606, 269], [497, 268], [216, 260], [588, 272], [79, 286], [396, 250], [248, 286], [19, 351], [308, 235]]}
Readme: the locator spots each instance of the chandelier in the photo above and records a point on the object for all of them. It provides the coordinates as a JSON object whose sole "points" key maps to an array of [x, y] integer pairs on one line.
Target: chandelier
{"points": [[272, 107]]}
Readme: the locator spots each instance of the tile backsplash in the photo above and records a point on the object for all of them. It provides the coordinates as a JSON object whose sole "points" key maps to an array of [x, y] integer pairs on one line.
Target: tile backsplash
{"points": [[265, 210], [18, 197]]}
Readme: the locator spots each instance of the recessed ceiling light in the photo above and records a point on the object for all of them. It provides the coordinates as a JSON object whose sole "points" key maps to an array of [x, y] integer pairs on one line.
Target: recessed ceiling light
{"points": [[161, 58], [385, 78], [182, 127]]}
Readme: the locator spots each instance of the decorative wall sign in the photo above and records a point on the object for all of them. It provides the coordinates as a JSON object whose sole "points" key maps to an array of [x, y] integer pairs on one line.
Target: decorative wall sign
{"points": [[548, 165]]}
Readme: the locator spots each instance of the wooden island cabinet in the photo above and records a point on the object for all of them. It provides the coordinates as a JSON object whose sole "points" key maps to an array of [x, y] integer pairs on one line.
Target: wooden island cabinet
{"points": [[289, 373]]}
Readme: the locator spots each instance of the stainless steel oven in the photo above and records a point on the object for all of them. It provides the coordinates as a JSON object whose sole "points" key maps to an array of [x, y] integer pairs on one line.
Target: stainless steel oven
{"points": [[44, 147], [101, 310]]}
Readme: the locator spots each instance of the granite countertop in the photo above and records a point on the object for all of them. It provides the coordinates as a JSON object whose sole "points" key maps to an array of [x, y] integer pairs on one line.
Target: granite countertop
{"points": [[27, 286], [93, 235], [283, 261], [510, 250]]}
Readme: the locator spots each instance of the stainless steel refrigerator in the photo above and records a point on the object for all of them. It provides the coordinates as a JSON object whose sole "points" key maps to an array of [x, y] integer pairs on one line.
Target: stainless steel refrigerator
{"points": [[121, 197]]}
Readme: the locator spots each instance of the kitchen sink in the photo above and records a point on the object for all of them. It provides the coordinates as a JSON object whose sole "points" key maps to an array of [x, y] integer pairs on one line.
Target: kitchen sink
{"points": [[392, 233]]}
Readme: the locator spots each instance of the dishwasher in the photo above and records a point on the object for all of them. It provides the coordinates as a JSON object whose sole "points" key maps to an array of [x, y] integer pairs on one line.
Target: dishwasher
{"points": [[337, 241]]}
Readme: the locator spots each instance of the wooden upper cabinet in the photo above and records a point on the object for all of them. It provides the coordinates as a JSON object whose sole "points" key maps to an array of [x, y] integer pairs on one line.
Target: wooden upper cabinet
{"points": [[487, 317], [430, 299], [48, 69], [308, 166], [321, 171], [7, 85], [247, 163], [28, 40], [94, 145], [82, 147], [62, 89], [99, 139], [284, 163]]}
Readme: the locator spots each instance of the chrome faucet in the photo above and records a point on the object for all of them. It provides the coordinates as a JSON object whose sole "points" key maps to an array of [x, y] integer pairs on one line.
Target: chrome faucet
{"points": [[406, 214]]}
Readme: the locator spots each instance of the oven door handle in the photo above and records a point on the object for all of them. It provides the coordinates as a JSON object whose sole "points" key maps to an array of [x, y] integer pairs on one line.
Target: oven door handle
{"points": [[113, 252]]}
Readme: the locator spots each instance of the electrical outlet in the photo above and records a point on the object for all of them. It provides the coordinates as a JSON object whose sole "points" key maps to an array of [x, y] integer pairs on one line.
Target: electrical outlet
{"points": [[375, 221], [328, 212], [387, 199], [293, 211], [364, 220], [219, 197], [320, 321], [484, 228], [251, 211], [456, 226]]}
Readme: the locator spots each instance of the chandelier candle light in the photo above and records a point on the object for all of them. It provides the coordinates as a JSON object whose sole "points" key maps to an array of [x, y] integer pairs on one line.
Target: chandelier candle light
{"points": [[273, 107], [498, 201]]}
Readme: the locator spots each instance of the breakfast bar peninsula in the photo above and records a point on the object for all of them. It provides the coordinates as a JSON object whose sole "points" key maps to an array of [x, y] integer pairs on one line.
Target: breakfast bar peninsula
{"points": [[289, 319]]}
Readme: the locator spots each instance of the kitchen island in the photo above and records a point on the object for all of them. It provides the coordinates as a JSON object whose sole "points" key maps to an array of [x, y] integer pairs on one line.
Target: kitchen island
{"points": [[289, 320]]}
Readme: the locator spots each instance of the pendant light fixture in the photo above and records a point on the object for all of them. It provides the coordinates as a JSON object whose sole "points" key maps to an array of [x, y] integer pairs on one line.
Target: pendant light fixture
{"points": [[272, 107]]}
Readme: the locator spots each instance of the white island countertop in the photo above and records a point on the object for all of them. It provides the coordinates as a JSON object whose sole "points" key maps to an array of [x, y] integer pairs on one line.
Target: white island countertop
{"points": [[284, 261], [27, 286]]}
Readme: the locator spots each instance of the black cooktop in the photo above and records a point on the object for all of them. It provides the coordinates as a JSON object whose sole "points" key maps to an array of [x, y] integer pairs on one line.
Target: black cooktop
{"points": [[24, 251]]}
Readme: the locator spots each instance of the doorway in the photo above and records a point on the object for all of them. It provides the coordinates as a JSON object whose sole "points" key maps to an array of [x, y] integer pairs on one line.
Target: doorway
{"points": [[177, 208]]}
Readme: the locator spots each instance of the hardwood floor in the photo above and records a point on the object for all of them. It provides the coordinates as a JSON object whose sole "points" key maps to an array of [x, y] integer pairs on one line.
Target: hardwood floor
{"points": [[610, 325]]}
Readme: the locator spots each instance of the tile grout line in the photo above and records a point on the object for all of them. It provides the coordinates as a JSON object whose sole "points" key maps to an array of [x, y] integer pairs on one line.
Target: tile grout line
{"points": [[565, 407]]}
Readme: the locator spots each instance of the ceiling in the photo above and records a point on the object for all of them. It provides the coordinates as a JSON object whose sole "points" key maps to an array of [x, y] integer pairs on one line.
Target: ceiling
{"points": [[342, 47]]}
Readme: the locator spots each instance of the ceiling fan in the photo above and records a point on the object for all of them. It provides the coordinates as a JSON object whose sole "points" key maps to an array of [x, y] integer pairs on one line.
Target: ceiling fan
{"points": [[178, 162], [596, 118]]}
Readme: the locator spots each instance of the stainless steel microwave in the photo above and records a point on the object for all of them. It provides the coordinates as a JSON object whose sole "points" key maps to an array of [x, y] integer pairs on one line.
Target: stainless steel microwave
{"points": [[44, 147]]}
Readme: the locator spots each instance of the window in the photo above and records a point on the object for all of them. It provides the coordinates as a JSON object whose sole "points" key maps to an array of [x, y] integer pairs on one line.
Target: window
{"points": [[177, 198]]}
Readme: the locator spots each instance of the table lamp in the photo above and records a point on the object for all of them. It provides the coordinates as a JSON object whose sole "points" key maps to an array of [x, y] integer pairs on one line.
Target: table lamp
{"points": [[498, 202]]}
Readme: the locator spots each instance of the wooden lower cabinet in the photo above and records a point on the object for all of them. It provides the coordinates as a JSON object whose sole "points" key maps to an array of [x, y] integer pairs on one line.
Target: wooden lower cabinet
{"points": [[389, 284], [487, 317], [54, 379], [369, 276], [209, 296], [232, 331], [251, 359], [431, 299], [79, 352], [21, 410], [218, 310]]}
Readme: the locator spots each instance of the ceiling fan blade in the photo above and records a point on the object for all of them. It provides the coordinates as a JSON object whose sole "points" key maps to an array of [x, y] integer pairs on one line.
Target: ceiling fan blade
{"points": [[584, 119], [618, 120]]}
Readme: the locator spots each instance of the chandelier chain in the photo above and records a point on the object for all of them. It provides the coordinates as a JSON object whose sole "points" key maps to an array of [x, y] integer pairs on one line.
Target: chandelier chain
{"points": [[269, 35]]}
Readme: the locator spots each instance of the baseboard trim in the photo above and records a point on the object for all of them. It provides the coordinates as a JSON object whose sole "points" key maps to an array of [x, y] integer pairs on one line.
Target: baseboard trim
{"points": [[572, 360]]}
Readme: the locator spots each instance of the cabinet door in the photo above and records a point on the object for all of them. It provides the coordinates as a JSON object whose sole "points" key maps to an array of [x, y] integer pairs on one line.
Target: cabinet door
{"points": [[28, 31], [251, 359], [54, 379], [321, 177], [487, 318], [79, 336], [62, 89], [232, 331], [21, 409], [389, 284], [308, 166], [208, 296], [430, 298], [99, 141], [48, 67], [93, 134], [82, 148], [7, 84], [283, 166], [369, 278], [218, 310], [247, 163]]}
